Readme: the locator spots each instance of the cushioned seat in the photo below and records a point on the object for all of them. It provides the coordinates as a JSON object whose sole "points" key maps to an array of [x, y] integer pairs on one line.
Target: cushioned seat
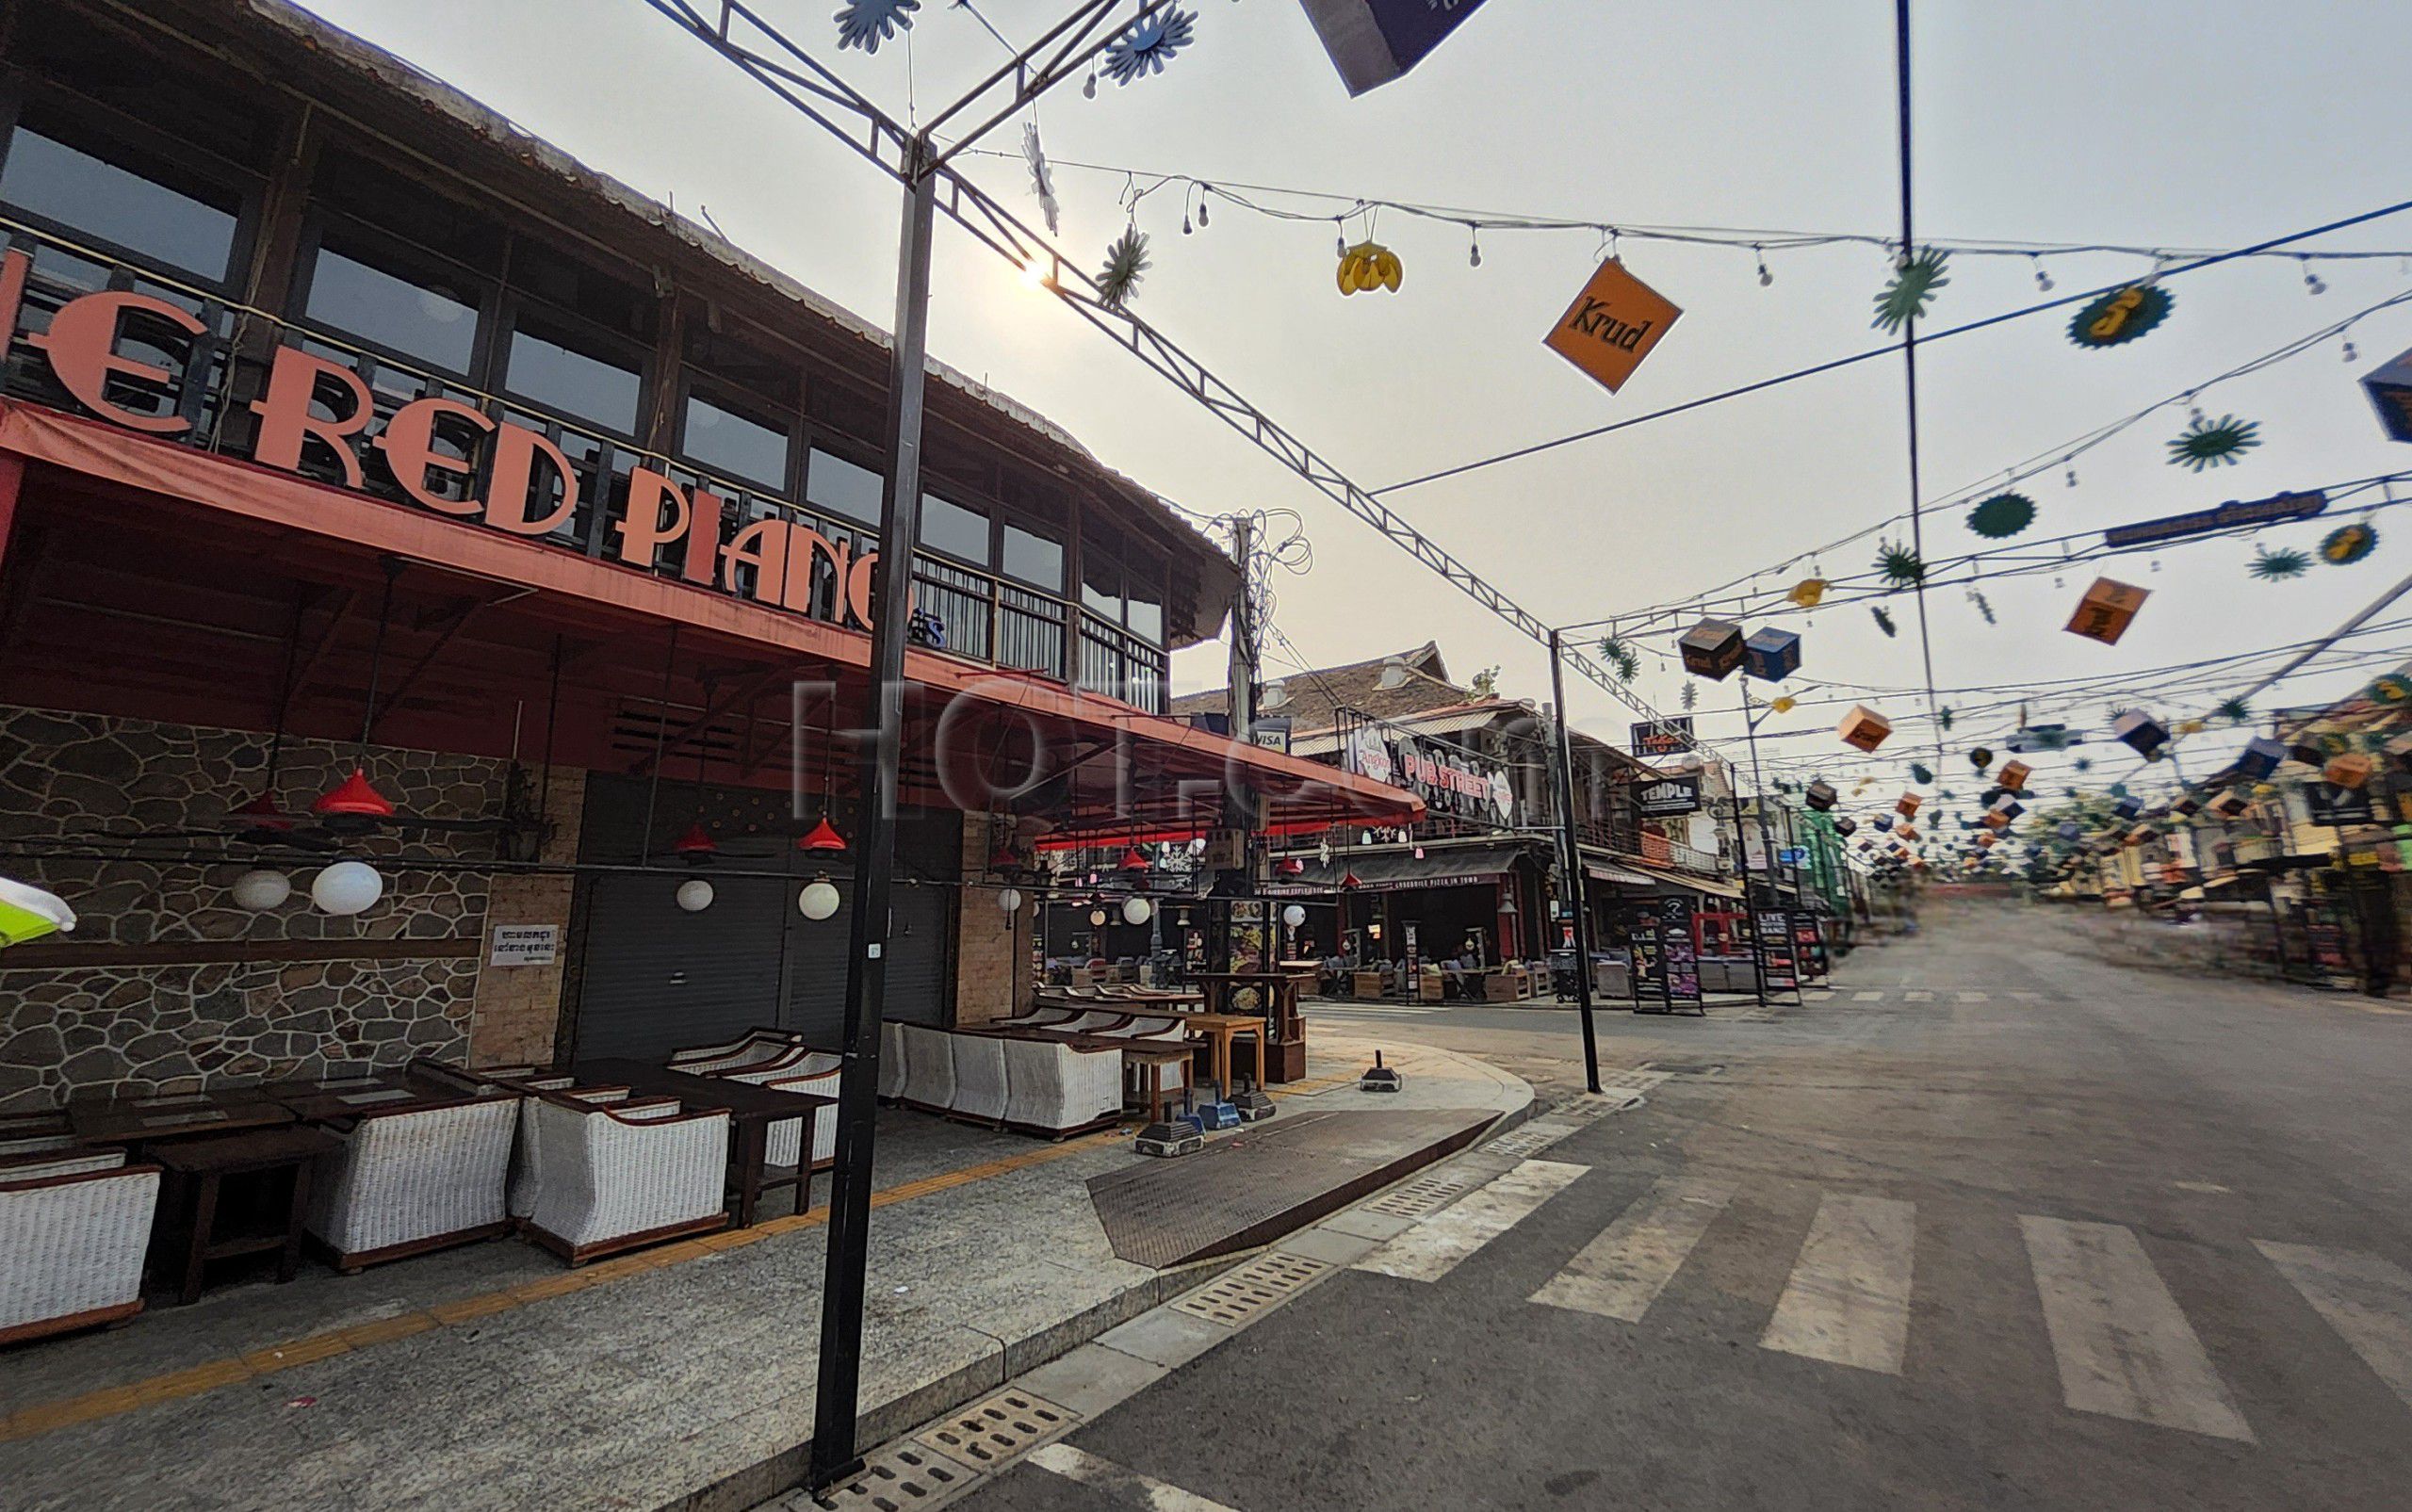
{"points": [[611, 1177], [409, 1181], [73, 1226], [1054, 1088]]}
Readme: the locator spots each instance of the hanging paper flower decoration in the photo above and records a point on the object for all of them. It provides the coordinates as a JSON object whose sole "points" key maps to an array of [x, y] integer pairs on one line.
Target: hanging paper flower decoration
{"points": [[2121, 316], [1367, 267], [2391, 691], [1807, 591], [1042, 177], [2189, 726], [2003, 515], [2278, 566], [1900, 566], [1883, 620], [2234, 710], [1690, 695], [1149, 45], [2219, 443], [1124, 261], [1621, 656], [866, 24], [1914, 281], [1785, 705], [2084, 763], [2348, 544]]}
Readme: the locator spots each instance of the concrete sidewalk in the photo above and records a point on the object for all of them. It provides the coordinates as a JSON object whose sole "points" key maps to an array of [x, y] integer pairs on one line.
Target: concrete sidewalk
{"points": [[677, 1378]]}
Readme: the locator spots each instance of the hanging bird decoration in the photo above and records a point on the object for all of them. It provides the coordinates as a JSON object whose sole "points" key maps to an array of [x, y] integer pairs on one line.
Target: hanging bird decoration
{"points": [[2348, 544], [2278, 566], [1367, 267], [2234, 710], [1883, 620], [1807, 591], [2121, 316], [1149, 45], [1900, 565], [1125, 261], [1042, 178], [2219, 443], [1914, 284], [866, 24], [2003, 515], [1620, 655]]}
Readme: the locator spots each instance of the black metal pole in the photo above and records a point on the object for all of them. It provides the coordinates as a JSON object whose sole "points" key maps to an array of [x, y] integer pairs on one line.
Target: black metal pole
{"points": [[837, 1391], [1766, 848], [1571, 854]]}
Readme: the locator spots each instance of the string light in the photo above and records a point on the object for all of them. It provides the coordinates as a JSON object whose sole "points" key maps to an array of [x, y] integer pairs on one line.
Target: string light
{"points": [[2072, 473], [2042, 279], [2311, 280], [1473, 251], [1766, 278]]}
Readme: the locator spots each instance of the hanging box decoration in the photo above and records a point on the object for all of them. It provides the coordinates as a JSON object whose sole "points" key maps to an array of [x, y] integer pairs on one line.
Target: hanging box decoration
{"points": [[2389, 387], [1998, 819], [1821, 796], [2141, 731], [1373, 42], [1883, 822], [1907, 806], [2260, 759], [2188, 806], [2014, 775], [1863, 728], [2231, 805], [2127, 808], [1905, 831], [1771, 654], [1712, 649], [1845, 827], [2348, 771], [2107, 610]]}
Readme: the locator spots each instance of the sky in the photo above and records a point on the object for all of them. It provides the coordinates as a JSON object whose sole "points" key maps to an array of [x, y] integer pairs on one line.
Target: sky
{"points": [[2103, 121]]}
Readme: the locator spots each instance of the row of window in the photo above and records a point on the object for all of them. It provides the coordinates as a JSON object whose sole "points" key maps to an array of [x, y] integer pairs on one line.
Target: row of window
{"points": [[442, 291]]}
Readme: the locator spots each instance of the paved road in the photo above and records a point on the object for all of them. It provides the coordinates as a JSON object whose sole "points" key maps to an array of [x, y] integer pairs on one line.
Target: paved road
{"points": [[1994, 1226]]}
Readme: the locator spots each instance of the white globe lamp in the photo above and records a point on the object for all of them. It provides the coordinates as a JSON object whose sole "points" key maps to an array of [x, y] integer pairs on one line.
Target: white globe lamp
{"points": [[1009, 901], [262, 889], [347, 888], [1138, 910], [819, 900], [696, 895], [1293, 916]]}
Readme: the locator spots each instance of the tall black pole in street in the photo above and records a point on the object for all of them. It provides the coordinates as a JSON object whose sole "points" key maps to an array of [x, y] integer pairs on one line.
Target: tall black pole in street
{"points": [[1571, 854], [835, 1393]]}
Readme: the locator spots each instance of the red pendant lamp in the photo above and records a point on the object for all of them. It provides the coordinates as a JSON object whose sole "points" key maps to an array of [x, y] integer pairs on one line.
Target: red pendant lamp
{"points": [[1349, 880], [352, 804], [1291, 866], [1004, 859], [696, 847], [1133, 859], [823, 836], [263, 813]]}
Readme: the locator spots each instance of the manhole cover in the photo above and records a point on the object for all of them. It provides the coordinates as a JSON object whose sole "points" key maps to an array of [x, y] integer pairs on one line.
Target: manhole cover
{"points": [[988, 1433], [1251, 1289]]}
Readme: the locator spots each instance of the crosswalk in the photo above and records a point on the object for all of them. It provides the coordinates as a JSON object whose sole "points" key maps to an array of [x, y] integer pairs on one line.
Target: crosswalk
{"points": [[2122, 1345], [1960, 995]]}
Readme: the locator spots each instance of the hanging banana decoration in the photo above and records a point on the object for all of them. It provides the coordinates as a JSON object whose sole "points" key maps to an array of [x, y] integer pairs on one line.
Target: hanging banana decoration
{"points": [[1367, 267]]}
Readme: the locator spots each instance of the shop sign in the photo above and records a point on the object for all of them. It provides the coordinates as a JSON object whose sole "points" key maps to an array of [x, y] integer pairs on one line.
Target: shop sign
{"points": [[1681, 980], [1778, 970], [1449, 781], [2227, 516], [524, 945], [1667, 797], [316, 408], [1663, 737], [1271, 734], [1614, 322]]}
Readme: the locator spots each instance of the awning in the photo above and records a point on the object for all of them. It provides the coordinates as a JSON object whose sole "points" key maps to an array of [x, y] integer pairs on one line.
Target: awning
{"points": [[1400, 869], [1691, 881], [1622, 876]]}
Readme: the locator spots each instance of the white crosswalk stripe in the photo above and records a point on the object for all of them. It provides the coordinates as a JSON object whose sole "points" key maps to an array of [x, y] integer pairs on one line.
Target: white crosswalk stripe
{"points": [[1621, 1272], [1848, 1298], [1120, 1481], [1374, 1010], [1433, 1247], [2123, 1346], [1917, 996], [1868, 997], [2028, 997], [2367, 1299], [1974, 996]]}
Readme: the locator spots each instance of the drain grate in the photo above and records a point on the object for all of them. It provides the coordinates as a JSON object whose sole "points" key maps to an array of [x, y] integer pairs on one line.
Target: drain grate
{"points": [[898, 1476], [1253, 1288], [1688, 1068], [1426, 1194], [988, 1433], [1529, 1140]]}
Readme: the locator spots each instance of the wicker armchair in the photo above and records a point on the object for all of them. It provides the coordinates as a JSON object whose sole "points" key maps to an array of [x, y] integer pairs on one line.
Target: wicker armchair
{"points": [[754, 1048], [806, 1071], [73, 1226], [977, 1062], [407, 1183], [929, 1069], [519, 1199], [891, 1062], [611, 1177], [1056, 1089]]}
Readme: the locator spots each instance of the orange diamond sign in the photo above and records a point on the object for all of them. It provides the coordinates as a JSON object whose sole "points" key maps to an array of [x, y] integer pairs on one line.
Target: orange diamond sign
{"points": [[1613, 324]]}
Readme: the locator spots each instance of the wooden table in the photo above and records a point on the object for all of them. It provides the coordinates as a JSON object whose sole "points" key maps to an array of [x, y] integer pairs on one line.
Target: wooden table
{"points": [[1155, 1057], [1220, 1030], [141, 1121], [1282, 1053], [341, 1101], [752, 1109], [198, 1169]]}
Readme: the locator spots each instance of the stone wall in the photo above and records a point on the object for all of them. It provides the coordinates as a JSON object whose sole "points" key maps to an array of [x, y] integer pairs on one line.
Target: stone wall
{"points": [[992, 954], [518, 1009], [165, 984]]}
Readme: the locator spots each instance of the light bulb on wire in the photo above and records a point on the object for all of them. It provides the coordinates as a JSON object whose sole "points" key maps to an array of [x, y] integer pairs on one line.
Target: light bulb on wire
{"points": [[1766, 278], [1474, 248], [2311, 278], [2042, 279]]}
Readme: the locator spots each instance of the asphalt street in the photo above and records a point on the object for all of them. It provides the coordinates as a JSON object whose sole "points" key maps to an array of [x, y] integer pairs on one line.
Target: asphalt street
{"points": [[1994, 1224]]}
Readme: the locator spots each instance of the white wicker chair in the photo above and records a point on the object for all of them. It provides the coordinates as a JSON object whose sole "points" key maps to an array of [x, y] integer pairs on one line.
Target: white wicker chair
{"points": [[406, 1182], [929, 1069], [756, 1047], [977, 1063], [810, 1071], [609, 1180], [891, 1062], [1093, 1022], [520, 1198], [73, 1231], [1056, 1089], [1164, 1027]]}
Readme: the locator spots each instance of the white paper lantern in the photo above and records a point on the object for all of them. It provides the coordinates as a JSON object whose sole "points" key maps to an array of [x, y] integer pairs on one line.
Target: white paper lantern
{"points": [[818, 900], [1096, 916], [262, 889], [1293, 916], [1009, 901], [1138, 910], [695, 896], [347, 888]]}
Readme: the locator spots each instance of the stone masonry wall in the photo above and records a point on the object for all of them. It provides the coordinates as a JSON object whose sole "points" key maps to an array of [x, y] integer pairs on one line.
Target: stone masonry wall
{"points": [[166, 985], [518, 1009]]}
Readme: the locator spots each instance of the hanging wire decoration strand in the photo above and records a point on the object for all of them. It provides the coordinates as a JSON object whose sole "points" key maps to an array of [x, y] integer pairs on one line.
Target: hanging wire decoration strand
{"points": [[1910, 369]]}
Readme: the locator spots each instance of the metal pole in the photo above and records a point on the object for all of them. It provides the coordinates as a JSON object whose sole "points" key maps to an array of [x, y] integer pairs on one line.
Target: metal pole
{"points": [[1766, 848], [1570, 850], [837, 1391]]}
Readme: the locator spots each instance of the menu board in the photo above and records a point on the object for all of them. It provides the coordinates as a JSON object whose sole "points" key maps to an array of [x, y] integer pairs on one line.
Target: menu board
{"points": [[1809, 947], [1778, 970], [1681, 977]]}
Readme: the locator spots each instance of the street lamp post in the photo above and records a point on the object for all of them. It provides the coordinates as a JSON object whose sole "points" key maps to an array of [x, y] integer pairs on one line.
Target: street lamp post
{"points": [[1570, 857]]}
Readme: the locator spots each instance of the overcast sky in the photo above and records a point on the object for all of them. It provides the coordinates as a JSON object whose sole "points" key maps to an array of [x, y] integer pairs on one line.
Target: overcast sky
{"points": [[2120, 123]]}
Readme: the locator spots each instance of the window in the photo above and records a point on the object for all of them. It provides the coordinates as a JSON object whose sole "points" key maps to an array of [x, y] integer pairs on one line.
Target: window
{"points": [[954, 530], [1100, 582], [184, 225], [837, 486], [429, 318], [1146, 614], [572, 382], [1033, 558], [723, 440]]}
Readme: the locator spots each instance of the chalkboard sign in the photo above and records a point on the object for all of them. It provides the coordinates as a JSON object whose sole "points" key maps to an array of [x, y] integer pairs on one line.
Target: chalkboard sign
{"points": [[1646, 978], [1809, 947], [1778, 970]]}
